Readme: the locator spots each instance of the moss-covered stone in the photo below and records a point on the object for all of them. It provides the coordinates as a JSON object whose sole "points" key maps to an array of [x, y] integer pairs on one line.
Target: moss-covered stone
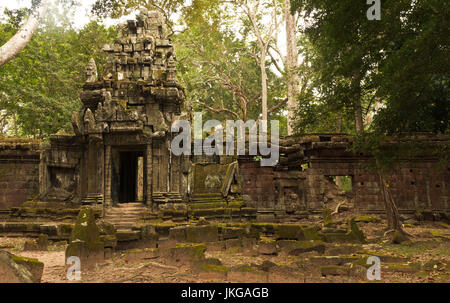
{"points": [[128, 235], [178, 234], [187, 252], [85, 241], [367, 219], [264, 228], [35, 267], [247, 274], [402, 267], [399, 237], [267, 246], [109, 241], [288, 231], [13, 272], [306, 246], [310, 233], [85, 228], [199, 234], [355, 234], [106, 228], [232, 233], [327, 219]]}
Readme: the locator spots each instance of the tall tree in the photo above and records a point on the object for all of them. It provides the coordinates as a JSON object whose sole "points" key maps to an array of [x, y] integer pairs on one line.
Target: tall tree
{"points": [[23, 36], [264, 32], [291, 63]]}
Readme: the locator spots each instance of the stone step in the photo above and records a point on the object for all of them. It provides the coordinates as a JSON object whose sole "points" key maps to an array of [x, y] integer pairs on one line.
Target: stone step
{"points": [[128, 212], [131, 204], [126, 218]]}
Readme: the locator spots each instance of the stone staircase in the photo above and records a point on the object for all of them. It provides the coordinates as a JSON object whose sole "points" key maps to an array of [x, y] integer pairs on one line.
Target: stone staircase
{"points": [[125, 215]]}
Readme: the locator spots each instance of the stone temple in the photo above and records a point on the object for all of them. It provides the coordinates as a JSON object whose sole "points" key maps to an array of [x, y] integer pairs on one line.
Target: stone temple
{"points": [[119, 161], [121, 150]]}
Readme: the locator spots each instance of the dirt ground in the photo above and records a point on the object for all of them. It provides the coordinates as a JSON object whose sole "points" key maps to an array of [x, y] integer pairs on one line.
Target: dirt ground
{"points": [[426, 258]]}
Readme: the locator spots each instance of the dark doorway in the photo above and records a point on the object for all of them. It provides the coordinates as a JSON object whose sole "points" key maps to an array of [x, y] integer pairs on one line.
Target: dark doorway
{"points": [[130, 179]]}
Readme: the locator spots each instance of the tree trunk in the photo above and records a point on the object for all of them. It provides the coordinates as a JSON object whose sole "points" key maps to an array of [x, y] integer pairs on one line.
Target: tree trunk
{"points": [[17, 43], [292, 63], [356, 85], [264, 90], [392, 215], [339, 124]]}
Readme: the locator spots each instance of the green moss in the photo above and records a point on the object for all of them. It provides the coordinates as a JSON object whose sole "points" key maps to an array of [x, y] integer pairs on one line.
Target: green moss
{"points": [[327, 219], [247, 268], [334, 270], [195, 250], [354, 233], [310, 233], [215, 268], [306, 246], [403, 267], [205, 233], [288, 231], [85, 227], [25, 260]]}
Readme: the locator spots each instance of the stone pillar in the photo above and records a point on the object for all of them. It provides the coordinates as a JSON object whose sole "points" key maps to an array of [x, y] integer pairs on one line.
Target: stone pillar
{"points": [[108, 174], [148, 172], [92, 167]]}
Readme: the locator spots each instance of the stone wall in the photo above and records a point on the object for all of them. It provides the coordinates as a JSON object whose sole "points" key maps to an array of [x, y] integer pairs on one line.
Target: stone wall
{"points": [[19, 171], [302, 179]]}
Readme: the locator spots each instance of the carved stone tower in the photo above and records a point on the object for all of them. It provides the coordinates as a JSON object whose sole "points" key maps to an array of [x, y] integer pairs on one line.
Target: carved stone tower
{"points": [[121, 149]]}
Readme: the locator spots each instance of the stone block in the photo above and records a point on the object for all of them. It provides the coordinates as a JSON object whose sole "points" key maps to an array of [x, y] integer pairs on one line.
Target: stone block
{"points": [[199, 234]]}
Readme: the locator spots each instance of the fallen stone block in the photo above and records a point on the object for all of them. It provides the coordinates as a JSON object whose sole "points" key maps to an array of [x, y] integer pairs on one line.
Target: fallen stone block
{"points": [[200, 234], [185, 253], [401, 267], [35, 267], [40, 244], [15, 269], [178, 234], [267, 247], [288, 232], [232, 233], [306, 246]]}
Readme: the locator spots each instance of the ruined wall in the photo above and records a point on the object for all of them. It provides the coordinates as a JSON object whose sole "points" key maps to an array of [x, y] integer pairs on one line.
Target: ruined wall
{"points": [[303, 178], [272, 188], [417, 184], [19, 171]]}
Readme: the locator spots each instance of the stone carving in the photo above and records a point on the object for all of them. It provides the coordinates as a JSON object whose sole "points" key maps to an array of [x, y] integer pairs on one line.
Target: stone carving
{"points": [[91, 71]]}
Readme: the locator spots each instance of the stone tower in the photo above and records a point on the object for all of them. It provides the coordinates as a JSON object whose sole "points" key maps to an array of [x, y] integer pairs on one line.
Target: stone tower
{"points": [[121, 147]]}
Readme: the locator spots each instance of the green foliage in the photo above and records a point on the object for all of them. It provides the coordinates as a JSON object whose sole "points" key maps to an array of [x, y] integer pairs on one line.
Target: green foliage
{"points": [[399, 63], [39, 89]]}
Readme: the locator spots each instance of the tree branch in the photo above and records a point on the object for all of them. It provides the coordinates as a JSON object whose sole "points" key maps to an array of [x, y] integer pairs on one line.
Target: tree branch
{"points": [[21, 39], [215, 110]]}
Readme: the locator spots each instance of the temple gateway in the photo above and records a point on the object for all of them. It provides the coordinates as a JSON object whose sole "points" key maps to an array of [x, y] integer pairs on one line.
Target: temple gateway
{"points": [[121, 148]]}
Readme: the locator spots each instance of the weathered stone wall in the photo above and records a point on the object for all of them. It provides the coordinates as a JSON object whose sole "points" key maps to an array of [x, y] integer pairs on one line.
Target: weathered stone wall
{"points": [[418, 184], [271, 188], [258, 184], [19, 171]]}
